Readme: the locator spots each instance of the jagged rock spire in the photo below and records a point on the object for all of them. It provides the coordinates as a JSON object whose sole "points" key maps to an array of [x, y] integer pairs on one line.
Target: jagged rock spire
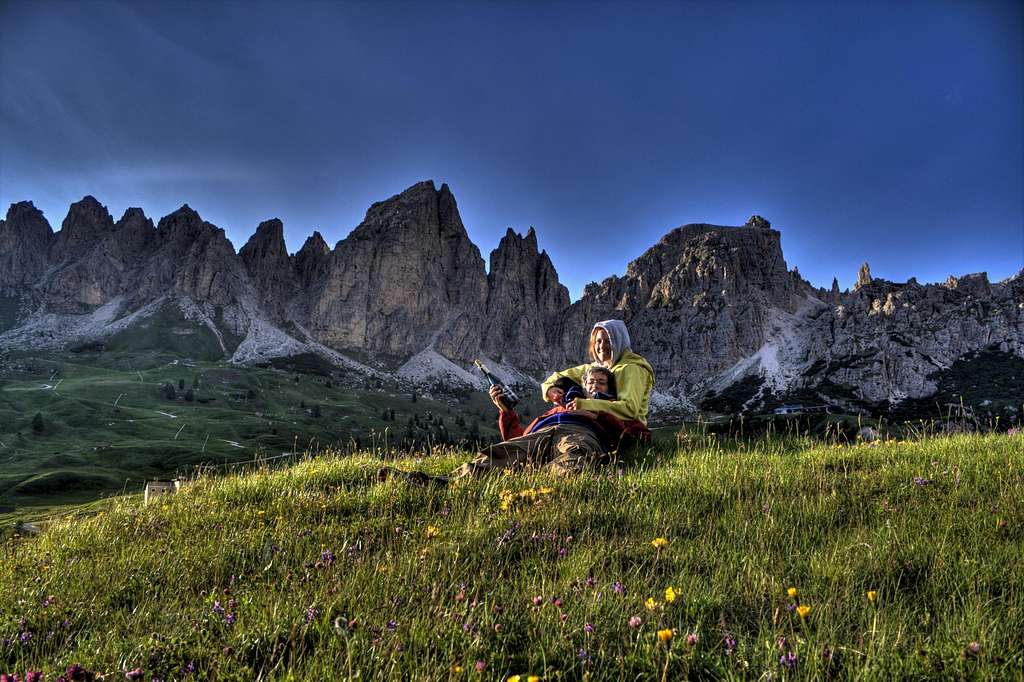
{"points": [[863, 276]]}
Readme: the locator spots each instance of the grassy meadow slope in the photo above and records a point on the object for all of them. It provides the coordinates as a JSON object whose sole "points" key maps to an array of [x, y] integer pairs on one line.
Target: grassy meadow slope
{"points": [[675, 563], [107, 421]]}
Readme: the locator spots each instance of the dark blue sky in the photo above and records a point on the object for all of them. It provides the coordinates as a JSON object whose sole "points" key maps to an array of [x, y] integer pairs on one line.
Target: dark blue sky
{"points": [[863, 131]]}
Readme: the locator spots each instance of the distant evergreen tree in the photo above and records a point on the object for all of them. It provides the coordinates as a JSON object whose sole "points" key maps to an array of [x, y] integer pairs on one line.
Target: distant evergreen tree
{"points": [[316, 411], [251, 394], [302, 404], [37, 423], [181, 384], [195, 381], [412, 396], [190, 395], [169, 391]]}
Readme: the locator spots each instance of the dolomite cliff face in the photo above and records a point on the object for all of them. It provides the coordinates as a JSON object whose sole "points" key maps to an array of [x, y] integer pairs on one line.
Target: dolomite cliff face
{"points": [[708, 305], [884, 340], [407, 278], [696, 303], [524, 304], [25, 239]]}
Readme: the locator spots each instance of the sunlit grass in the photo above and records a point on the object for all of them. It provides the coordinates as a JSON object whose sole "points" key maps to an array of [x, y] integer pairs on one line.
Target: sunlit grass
{"points": [[318, 571]]}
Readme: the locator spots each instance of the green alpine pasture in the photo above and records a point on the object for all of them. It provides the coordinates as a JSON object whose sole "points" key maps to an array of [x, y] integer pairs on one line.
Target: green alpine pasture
{"points": [[703, 559], [77, 426]]}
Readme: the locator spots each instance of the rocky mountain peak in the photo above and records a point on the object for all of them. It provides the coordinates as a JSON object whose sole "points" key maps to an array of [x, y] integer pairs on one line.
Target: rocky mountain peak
{"points": [[408, 266], [86, 223], [315, 243], [312, 259], [178, 230], [524, 302], [133, 234], [25, 239], [266, 246], [265, 257], [758, 221], [27, 219], [134, 216]]}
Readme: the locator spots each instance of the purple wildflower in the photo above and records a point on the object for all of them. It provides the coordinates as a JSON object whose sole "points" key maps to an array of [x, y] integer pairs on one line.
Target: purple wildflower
{"points": [[788, 660], [827, 655], [563, 617], [588, 628], [562, 552], [730, 644], [392, 625], [921, 482], [75, 672], [49, 600], [590, 581], [135, 674], [189, 668], [33, 676], [692, 639], [508, 534], [618, 588], [326, 557], [480, 665], [311, 613], [791, 608], [8, 678], [556, 601], [635, 621], [972, 650], [218, 609], [583, 655], [25, 636], [229, 619], [538, 600]]}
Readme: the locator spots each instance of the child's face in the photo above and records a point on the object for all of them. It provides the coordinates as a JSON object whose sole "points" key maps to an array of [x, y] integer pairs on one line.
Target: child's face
{"points": [[595, 382]]}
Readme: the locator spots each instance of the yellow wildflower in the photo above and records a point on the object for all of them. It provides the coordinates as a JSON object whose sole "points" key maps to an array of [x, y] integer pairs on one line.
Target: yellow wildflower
{"points": [[456, 668], [803, 610], [512, 678], [433, 531], [532, 678], [650, 604], [872, 596], [659, 542], [670, 595], [665, 635], [791, 592]]}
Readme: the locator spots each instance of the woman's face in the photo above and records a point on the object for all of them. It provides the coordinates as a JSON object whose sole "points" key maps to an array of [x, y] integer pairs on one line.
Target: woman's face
{"points": [[602, 347]]}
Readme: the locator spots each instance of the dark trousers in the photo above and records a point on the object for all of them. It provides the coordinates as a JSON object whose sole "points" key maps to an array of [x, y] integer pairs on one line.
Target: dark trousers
{"points": [[564, 448]]}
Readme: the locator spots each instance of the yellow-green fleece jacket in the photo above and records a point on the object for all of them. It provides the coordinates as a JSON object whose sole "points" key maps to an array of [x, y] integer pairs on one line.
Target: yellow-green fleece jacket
{"points": [[634, 379]]}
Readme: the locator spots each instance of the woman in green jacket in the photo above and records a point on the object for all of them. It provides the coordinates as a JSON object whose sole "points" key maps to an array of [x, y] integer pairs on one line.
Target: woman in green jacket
{"points": [[634, 377]]}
